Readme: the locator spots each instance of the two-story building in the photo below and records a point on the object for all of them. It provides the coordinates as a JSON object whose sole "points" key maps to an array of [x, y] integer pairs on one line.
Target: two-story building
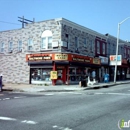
{"points": [[29, 54], [124, 51]]}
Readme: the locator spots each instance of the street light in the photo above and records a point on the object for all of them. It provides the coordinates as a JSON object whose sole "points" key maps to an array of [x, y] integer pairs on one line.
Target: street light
{"points": [[118, 34]]}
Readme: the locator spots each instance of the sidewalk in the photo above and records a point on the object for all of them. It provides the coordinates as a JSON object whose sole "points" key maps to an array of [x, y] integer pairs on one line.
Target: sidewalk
{"points": [[57, 88]]}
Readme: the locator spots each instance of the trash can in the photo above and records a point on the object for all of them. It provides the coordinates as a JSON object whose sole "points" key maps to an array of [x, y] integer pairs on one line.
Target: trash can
{"points": [[106, 78], [83, 83]]}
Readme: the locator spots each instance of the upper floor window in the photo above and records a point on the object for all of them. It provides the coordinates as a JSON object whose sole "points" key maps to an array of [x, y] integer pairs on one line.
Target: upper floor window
{"points": [[98, 47], [114, 49], [49, 42], [30, 44], [85, 42], [19, 45], [67, 39], [108, 48], [91, 45], [2, 47], [128, 52], [103, 48], [10, 46], [76, 43], [124, 52], [46, 42]]}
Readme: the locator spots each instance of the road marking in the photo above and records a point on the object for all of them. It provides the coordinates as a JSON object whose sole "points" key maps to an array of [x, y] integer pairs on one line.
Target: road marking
{"points": [[29, 122], [114, 94], [55, 126], [61, 128], [49, 94], [6, 98], [7, 118], [18, 97]]}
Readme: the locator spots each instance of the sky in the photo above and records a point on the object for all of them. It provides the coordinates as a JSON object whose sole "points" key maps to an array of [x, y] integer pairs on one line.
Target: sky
{"points": [[101, 16]]}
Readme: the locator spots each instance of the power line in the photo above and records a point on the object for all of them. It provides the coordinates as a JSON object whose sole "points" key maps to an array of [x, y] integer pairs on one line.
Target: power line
{"points": [[25, 21], [9, 23]]}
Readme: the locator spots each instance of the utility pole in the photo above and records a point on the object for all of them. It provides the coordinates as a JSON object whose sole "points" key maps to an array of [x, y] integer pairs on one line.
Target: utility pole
{"points": [[25, 21]]}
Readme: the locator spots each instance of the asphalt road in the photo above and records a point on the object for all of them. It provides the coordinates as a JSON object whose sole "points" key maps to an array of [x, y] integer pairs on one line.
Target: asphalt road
{"points": [[97, 109]]}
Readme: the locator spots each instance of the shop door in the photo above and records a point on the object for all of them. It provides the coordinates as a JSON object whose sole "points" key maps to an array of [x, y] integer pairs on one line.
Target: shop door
{"points": [[61, 72]]}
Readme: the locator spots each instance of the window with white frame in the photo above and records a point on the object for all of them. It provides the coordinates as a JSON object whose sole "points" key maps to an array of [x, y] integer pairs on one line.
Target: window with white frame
{"points": [[76, 43], [46, 40], [10, 46], [46, 43], [98, 47], [103, 48], [30, 44], [49, 42], [19, 45], [2, 47], [43, 43]]}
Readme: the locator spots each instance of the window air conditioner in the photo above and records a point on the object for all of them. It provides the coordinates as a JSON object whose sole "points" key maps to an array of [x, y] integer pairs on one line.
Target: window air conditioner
{"points": [[63, 43], [10, 51], [19, 50]]}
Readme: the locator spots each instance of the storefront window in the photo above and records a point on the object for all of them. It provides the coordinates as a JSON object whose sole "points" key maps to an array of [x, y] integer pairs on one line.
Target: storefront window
{"points": [[40, 74], [77, 73]]}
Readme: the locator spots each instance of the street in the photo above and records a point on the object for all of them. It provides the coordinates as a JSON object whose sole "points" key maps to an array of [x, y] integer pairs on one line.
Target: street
{"points": [[94, 109]]}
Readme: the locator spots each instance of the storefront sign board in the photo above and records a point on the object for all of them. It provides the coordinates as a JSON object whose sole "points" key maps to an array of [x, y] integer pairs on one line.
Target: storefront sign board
{"points": [[96, 61], [61, 56], [104, 60], [113, 60]]}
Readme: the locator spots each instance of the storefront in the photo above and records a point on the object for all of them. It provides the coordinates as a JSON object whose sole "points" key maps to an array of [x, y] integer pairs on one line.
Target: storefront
{"points": [[104, 67], [123, 68], [70, 67]]}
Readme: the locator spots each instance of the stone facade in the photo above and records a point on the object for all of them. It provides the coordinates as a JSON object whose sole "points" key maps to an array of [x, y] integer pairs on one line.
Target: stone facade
{"points": [[13, 66], [75, 30]]}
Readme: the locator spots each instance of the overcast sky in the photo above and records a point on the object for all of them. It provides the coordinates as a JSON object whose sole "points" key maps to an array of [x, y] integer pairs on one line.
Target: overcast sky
{"points": [[102, 16]]}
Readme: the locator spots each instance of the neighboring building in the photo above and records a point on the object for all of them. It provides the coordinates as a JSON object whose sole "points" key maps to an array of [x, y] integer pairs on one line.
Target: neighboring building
{"points": [[123, 70], [28, 55]]}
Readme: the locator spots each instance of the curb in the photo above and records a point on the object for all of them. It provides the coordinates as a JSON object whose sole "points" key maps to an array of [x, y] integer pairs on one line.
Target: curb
{"points": [[69, 89]]}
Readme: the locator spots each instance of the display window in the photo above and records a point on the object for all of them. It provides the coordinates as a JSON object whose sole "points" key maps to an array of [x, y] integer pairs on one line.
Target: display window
{"points": [[77, 73], [40, 74]]}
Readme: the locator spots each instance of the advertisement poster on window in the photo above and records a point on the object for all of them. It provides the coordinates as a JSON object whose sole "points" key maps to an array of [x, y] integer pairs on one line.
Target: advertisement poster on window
{"points": [[53, 74]]}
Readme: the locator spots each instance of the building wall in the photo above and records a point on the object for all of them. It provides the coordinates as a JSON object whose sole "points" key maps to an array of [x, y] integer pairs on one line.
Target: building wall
{"points": [[75, 30], [13, 65], [123, 46]]}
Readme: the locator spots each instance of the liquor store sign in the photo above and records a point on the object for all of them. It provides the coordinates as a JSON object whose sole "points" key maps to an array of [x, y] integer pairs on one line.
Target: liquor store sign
{"points": [[61, 56]]}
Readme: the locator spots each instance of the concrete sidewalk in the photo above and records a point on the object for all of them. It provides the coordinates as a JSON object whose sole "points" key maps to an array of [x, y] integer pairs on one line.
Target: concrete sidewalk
{"points": [[57, 88]]}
